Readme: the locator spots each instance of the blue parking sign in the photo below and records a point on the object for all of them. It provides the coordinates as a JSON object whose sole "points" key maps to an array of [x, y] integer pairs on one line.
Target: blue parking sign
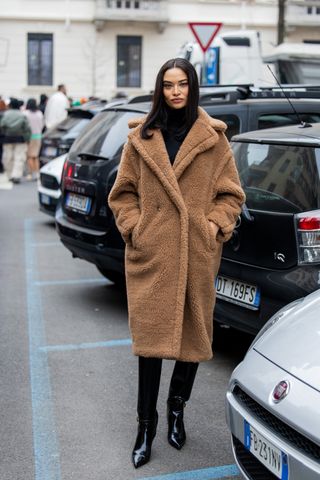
{"points": [[212, 61]]}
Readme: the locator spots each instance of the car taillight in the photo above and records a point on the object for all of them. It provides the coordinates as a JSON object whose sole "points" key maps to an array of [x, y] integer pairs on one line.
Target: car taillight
{"points": [[308, 236], [67, 170]]}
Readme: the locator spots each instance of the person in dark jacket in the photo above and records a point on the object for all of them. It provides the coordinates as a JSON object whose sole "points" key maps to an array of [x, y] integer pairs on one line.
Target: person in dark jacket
{"points": [[16, 133]]}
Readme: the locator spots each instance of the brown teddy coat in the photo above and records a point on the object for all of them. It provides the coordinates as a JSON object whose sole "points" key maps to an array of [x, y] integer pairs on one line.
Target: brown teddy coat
{"points": [[172, 256]]}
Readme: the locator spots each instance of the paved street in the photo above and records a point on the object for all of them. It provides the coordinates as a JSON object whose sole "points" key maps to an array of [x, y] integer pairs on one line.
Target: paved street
{"points": [[68, 378]]}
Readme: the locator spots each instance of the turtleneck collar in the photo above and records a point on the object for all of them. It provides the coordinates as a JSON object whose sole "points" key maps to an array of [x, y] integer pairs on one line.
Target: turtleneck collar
{"points": [[176, 117]]}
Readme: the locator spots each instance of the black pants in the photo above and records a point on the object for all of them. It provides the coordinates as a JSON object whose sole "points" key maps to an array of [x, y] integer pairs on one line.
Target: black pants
{"points": [[181, 383]]}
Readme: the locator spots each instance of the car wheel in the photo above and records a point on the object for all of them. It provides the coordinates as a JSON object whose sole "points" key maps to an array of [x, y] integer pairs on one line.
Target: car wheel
{"points": [[117, 278]]}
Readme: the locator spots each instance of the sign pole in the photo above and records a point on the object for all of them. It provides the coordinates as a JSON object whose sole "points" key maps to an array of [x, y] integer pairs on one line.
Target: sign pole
{"points": [[204, 33], [204, 70]]}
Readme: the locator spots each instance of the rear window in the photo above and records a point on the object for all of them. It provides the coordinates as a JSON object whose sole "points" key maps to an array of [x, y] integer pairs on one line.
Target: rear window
{"points": [[105, 135], [283, 119], [279, 178], [233, 124]]}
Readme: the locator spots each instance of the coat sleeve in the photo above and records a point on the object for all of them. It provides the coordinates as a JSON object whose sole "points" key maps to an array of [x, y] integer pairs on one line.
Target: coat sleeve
{"points": [[124, 198], [227, 200]]}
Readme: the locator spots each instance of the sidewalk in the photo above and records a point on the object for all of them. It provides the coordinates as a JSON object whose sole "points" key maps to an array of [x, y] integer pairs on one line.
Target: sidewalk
{"points": [[4, 182]]}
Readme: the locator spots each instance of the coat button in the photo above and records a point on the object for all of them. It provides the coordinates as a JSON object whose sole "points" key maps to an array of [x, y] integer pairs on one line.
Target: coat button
{"points": [[158, 208]]}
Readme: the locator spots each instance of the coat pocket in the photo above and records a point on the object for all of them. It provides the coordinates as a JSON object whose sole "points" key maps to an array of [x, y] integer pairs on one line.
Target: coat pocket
{"points": [[135, 233], [212, 238]]}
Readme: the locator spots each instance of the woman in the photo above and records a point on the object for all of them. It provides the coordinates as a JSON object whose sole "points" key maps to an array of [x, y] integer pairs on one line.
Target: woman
{"points": [[35, 118], [176, 199]]}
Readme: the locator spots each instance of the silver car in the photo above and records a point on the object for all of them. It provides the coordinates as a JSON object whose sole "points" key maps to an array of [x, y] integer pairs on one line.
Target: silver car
{"points": [[273, 398]]}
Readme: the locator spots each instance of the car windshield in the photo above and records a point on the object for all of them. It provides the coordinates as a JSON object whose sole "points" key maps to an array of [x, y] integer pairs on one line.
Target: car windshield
{"points": [[279, 178], [105, 135]]}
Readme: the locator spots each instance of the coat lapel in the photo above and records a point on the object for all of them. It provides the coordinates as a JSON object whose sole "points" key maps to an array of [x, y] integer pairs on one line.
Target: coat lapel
{"points": [[201, 137], [154, 153]]}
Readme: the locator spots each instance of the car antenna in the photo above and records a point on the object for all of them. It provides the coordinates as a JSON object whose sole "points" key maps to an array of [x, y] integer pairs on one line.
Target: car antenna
{"points": [[302, 123]]}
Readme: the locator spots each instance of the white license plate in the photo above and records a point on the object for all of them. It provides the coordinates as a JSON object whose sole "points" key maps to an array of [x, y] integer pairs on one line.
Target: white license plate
{"points": [[270, 456], [45, 199], [237, 292], [80, 203], [50, 151]]}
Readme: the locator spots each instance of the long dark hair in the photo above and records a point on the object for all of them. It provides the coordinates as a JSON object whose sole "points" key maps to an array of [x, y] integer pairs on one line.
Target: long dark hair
{"points": [[32, 105], [157, 117]]}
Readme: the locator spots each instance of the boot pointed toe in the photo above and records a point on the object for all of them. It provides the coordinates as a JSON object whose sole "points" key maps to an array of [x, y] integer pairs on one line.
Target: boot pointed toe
{"points": [[176, 442], [142, 449], [176, 430], [139, 459]]}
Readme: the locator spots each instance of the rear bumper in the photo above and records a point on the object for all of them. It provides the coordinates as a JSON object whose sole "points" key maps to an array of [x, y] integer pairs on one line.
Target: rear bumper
{"points": [[278, 287], [89, 244]]}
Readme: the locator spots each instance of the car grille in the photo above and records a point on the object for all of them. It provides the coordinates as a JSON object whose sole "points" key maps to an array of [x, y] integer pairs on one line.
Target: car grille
{"points": [[48, 181], [248, 462], [296, 439]]}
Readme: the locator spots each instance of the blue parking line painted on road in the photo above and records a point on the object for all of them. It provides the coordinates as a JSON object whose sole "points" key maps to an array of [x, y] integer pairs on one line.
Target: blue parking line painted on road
{"points": [[45, 442], [201, 474], [47, 283], [83, 346]]}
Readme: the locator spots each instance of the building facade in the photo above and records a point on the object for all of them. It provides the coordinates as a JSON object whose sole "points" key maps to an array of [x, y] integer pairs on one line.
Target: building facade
{"points": [[101, 47]]}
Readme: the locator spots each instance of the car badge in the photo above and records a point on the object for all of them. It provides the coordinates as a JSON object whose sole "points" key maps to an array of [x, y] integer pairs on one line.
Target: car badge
{"points": [[280, 391], [279, 256]]}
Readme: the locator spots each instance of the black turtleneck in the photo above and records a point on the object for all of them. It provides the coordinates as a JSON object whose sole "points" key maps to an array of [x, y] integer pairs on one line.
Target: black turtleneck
{"points": [[175, 132]]}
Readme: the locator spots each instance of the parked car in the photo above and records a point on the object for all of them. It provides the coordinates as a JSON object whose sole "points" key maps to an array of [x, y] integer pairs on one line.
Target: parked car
{"points": [[49, 191], [274, 255], [58, 140], [273, 398], [86, 225]]}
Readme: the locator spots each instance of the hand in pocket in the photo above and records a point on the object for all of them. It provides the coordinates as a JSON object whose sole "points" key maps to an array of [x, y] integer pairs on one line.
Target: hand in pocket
{"points": [[214, 228]]}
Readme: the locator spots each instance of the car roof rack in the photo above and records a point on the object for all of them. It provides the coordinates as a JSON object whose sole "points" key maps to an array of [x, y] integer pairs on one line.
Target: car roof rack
{"points": [[232, 93]]}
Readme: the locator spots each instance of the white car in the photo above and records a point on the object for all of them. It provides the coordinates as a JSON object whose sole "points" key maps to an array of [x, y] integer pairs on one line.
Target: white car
{"points": [[273, 399], [49, 191]]}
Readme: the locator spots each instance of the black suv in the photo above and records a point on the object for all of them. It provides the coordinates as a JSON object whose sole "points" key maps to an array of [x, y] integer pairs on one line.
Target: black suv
{"points": [[86, 226]]}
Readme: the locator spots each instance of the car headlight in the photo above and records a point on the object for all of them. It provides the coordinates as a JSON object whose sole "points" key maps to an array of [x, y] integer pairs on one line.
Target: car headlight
{"points": [[283, 312]]}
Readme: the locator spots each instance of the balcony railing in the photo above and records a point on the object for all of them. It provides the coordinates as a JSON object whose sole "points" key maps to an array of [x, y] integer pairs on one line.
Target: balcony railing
{"points": [[132, 10]]}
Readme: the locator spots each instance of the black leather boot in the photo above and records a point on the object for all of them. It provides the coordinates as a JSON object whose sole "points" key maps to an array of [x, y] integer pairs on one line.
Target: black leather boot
{"points": [[176, 431], [142, 448], [149, 382], [179, 393]]}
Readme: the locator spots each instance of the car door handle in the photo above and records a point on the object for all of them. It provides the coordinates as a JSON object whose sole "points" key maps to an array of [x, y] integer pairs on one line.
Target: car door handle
{"points": [[246, 214]]}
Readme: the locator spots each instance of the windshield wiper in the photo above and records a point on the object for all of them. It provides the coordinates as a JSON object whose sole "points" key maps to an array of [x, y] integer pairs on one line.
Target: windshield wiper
{"points": [[91, 156]]}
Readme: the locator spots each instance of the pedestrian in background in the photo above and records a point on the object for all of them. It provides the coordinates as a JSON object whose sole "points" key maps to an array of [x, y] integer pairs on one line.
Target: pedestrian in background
{"points": [[35, 118], [16, 133], [57, 107], [3, 107], [176, 199], [43, 102]]}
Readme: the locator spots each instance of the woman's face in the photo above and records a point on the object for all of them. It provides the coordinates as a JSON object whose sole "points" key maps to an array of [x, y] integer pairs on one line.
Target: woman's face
{"points": [[175, 88]]}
